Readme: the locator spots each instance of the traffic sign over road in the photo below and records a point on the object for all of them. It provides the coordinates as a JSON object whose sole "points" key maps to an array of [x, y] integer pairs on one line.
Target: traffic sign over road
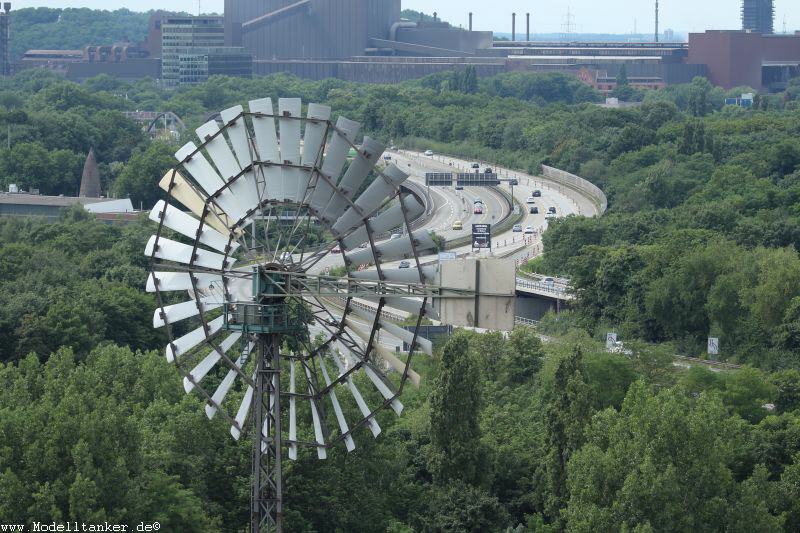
{"points": [[442, 179]]}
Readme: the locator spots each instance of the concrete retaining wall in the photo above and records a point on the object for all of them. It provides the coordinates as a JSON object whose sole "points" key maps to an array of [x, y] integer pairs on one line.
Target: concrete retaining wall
{"points": [[572, 181]]}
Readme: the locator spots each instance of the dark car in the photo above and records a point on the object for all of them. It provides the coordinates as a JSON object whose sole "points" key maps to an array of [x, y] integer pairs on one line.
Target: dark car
{"points": [[534, 210], [476, 165], [514, 182], [405, 264], [537, 192], [487, 171], [551, 210]]}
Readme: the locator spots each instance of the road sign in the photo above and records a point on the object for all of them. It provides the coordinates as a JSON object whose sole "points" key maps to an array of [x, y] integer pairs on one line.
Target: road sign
{"points": [[713, 346], [481, 236], [476, 179], [447, 256], [442, 179], [611, 341]]}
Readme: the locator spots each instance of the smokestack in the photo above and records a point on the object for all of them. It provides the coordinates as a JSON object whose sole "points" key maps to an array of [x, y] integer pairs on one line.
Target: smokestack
{"points": [[656, 20], [470, 21], [513, 26], [528, 27]]}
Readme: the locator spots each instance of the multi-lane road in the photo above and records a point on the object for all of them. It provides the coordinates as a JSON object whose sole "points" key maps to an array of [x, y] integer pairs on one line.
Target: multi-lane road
{"points": [[450, 205]]}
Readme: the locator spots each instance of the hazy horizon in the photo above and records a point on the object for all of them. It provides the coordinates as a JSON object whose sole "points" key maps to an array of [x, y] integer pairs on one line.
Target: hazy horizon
{"points": [[612, 16]]}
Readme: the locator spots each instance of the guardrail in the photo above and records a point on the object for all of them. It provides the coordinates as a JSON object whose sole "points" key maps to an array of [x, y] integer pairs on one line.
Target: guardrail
{"points": [[521, 320], [707, 362], [579, 184], [549, 288]]}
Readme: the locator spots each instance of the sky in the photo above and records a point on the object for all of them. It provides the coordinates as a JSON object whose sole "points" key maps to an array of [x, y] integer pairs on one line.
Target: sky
{"points": [[588, 16]]}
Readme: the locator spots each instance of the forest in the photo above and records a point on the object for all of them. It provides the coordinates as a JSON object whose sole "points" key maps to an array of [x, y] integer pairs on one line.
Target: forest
{"points": [[514, 434]]}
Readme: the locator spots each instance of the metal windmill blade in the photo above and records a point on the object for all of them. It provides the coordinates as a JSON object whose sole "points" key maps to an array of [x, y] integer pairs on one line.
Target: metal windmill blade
{"points": [[256, 211]]}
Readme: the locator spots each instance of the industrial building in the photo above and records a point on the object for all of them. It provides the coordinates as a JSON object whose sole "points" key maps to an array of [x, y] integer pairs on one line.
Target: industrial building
{"points": [[367, 41], [737, 58], [193, 48], [50, 207]]}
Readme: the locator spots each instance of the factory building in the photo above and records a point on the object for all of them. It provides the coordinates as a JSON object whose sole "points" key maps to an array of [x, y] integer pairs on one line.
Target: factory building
{"points": [[367, 41], [736, 58]]}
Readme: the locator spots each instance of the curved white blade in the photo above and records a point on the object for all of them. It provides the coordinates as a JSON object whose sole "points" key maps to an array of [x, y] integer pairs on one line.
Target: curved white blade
{"points": [[183, 192], [396, 364], [237, 134], [181, 281], [204, 367], [177, 312], [394, 249], [267, 144], [187, 225], [322, 453], [313, 140], [205, 175], [337, 409], [170, 250], [227, 382], [376, 380], [371, 199], [362, 405], [218, 150], [369, 153], [397, 406], [335, 159], [183, 344], [244, 188], [244, 408], [290, 108], [292, 414], [388, 220], [404, 335], [400, 275]]}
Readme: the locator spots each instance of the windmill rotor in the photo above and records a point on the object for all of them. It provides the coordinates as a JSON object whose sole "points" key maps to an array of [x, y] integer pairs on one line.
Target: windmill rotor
{"points": [[254, 214]]}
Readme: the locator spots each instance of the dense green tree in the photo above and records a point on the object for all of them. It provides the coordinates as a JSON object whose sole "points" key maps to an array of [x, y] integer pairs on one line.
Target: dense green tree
{"points": [[455, 406], [664, 461], [566, 413], [140, 176]]}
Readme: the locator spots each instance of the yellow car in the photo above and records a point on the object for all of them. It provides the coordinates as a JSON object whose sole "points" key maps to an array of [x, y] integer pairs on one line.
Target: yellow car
{"points": [[457, 225]]}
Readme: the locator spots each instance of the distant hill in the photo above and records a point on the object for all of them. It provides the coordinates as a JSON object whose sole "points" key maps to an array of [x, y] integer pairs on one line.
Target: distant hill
{"points": [[73, 28]]}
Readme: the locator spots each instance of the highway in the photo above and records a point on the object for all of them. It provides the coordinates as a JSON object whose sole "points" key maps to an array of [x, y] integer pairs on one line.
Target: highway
{"points": [[512, 244], [450, 205]]}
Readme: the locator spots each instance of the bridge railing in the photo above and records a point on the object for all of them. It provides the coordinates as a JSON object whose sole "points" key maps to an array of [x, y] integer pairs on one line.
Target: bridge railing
{"points": [[550, 288], [572, 181]]}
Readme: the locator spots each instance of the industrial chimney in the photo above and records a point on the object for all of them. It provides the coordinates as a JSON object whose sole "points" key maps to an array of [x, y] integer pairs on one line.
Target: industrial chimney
{"points": [[470, 21], [528, 27], [513, 27], [656, 21]]}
